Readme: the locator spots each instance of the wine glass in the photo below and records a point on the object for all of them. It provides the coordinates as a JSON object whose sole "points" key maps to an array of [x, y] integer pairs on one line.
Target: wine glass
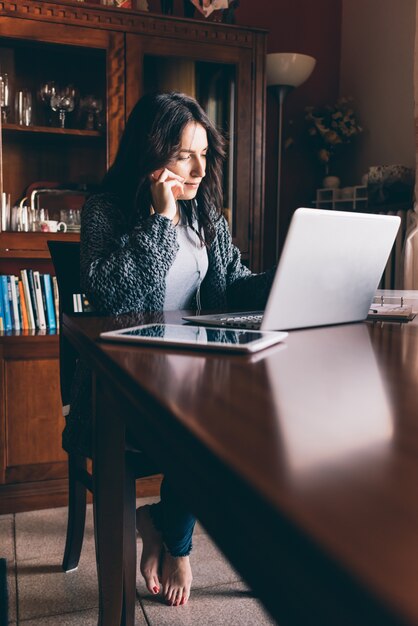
{"points": [[73, 91], [64, 102], [45, 92], [4, 96], [93, 106]]}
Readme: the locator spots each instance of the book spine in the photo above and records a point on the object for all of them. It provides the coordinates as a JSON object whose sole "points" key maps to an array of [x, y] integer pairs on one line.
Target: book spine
{"points": [[56, 300], [50, 313], [2, 320], [39, 300], [25, 319], [19, 305], [13, 302], [29, 308], [33, 298], [41, 282], [6, 305]]}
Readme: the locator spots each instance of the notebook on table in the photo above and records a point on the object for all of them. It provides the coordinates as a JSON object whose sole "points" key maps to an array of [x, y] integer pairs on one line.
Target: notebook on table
{"points": [[328, 273]]}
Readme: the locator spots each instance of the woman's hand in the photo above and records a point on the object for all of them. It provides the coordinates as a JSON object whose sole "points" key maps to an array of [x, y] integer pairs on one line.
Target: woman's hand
{"points": [[166, 187]]}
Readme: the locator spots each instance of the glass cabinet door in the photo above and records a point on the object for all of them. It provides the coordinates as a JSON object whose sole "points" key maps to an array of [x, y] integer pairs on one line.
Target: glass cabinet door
{"points": [[219, 77], [60, 126]]}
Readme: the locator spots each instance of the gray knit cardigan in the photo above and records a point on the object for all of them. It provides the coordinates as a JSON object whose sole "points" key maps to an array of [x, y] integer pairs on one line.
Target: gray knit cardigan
{"points": [[123, 270]]}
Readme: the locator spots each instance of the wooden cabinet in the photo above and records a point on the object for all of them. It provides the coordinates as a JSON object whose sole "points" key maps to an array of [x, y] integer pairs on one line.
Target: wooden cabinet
{"points": [[32, 463], [113, 54]]}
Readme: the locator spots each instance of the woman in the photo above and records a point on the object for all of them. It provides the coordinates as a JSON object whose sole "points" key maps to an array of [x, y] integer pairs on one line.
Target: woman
{"points": [[154, 240]]}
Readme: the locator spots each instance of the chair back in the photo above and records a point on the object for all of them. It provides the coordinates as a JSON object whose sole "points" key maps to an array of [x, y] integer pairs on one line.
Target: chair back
{"points": [[65, 257]]}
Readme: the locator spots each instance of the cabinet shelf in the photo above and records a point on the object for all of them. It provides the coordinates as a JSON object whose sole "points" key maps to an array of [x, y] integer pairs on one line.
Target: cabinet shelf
{"points": [[26, 344], [11, 339], [18, 245], [51, 130]]}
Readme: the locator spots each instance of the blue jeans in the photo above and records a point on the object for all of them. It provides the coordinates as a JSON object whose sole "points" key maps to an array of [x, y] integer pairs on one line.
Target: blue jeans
{"points": [[172, 519]]}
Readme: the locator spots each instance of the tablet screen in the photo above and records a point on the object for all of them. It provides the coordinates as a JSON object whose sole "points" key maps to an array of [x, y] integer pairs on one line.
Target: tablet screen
{"points": [[172, 334]]}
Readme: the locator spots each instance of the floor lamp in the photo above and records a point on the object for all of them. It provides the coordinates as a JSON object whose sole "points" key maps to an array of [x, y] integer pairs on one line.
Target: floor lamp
{"points": [[285, 71]]}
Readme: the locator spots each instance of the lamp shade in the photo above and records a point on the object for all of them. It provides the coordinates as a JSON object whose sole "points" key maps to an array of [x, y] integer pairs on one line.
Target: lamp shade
{"points": [[289, 68]]}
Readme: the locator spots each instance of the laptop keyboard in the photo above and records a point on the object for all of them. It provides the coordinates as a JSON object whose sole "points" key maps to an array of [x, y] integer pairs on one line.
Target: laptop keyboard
{"points": [[246, 321]]}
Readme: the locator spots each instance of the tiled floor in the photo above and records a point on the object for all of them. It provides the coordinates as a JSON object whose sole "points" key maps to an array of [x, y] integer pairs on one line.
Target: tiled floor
{"points": [[41, 594]]}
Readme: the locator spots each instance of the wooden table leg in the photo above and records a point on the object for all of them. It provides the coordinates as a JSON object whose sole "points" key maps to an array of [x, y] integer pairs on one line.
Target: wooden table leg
{"points": [[109, 495], [129, 550]]}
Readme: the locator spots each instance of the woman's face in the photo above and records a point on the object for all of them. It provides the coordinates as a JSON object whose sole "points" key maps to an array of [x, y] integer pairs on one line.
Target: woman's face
{"points": [[190, 163]]}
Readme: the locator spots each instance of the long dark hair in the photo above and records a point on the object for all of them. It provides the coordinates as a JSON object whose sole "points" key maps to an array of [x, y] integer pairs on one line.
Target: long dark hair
{"points": [[151, 139]]}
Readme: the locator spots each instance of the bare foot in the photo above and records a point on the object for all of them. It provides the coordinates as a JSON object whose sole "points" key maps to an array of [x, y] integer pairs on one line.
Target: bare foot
{"points": [[176, 579], [151, 550]]}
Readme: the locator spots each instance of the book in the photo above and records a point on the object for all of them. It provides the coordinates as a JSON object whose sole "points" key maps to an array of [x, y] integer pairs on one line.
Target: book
{"points": [[50, 312], [1, 309], [28, 300], [33, 298], [41, 282], [56, 300], [86, 307], [39, 300], [19, 305], [6, 305], [81, 304], [13, 302], [25, 319]]}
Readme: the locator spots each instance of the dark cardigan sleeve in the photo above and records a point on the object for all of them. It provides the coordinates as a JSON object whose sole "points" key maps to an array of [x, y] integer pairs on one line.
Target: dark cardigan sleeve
{"points": [[122, 270]]}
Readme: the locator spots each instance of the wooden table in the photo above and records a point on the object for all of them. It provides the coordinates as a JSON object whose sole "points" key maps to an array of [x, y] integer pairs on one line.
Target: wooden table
{"points": [[301, 462]]}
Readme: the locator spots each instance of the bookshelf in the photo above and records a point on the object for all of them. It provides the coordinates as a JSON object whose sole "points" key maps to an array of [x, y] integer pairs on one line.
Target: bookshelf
{"points": [[116, 54], [33, 466]]}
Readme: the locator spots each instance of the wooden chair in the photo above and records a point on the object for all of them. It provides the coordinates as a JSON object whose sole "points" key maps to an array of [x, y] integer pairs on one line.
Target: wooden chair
{"points": [[66, 260]]}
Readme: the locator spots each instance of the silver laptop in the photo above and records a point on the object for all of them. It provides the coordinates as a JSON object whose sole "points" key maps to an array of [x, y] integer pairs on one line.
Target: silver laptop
{"points": [[329, 270]]}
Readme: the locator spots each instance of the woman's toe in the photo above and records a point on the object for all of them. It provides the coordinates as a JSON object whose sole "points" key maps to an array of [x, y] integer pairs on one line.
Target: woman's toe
{"points": [[167, 593], [149, 581]]}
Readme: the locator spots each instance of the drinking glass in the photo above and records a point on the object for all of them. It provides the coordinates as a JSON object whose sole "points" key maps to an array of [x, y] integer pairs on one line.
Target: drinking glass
{"points": [[23, 218], [64, 102], [4, 211], [23, 107], [4, 96]]}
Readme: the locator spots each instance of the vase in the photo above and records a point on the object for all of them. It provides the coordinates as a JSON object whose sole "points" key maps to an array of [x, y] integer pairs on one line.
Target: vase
{"points": [[331, 182]]}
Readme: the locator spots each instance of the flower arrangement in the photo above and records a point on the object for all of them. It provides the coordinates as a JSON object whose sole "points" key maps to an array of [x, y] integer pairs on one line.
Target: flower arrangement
{"points": [[332, 126]]}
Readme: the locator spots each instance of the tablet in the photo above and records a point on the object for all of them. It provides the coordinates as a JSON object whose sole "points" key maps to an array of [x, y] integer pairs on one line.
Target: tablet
{"points": [[198, 337]]}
